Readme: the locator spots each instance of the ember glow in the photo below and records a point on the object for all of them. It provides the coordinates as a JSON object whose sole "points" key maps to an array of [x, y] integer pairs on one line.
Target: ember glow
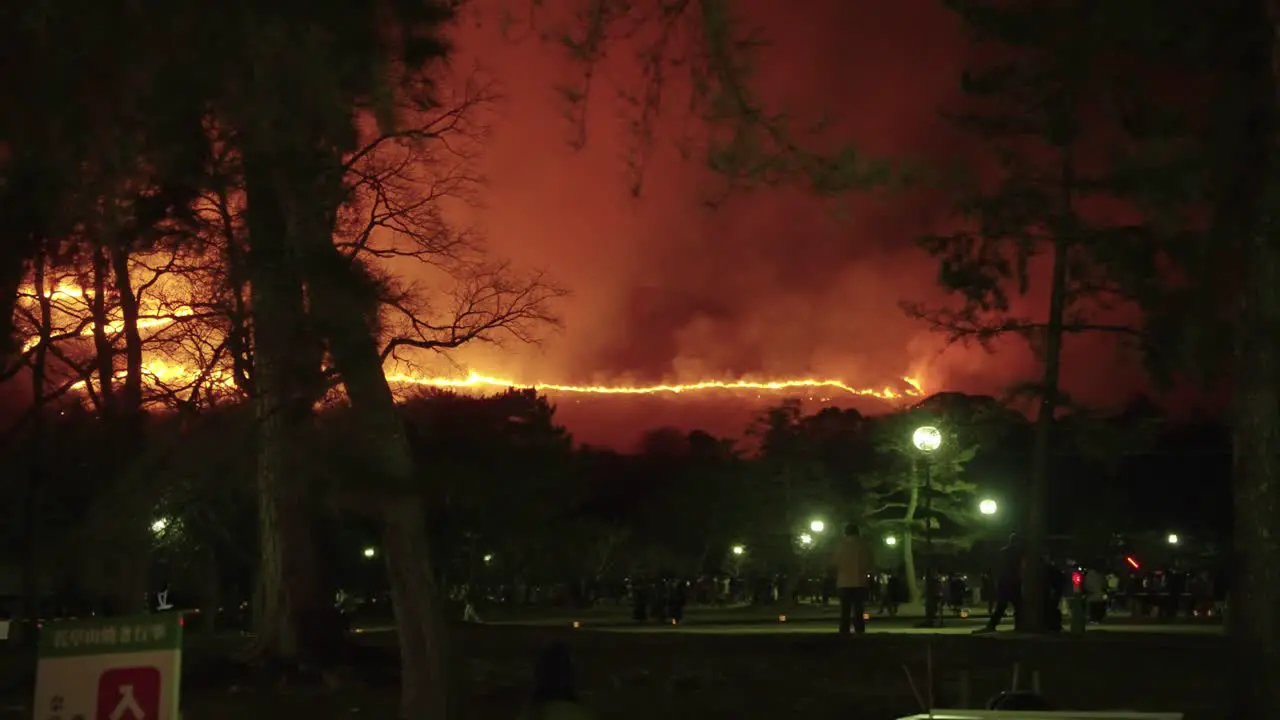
{"points": [[476, 382], [910, 388], [178, 370]]}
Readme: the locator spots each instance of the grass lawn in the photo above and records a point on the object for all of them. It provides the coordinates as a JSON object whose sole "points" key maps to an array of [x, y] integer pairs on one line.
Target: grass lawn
{"points": [[645, 675]]}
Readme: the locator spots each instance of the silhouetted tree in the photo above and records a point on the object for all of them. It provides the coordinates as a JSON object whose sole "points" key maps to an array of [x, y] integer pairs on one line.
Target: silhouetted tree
{"points": [[896, 495], [1049, 207]]}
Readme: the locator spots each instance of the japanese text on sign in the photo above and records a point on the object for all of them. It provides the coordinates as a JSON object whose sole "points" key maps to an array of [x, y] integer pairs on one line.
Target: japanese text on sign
{"points": [[109, 636]]}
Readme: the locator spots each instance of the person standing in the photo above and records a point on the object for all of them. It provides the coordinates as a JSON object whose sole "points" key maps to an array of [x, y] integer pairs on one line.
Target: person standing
{"points": [[1008, 583], [853, 562], [554, 694], [1095, 594]]}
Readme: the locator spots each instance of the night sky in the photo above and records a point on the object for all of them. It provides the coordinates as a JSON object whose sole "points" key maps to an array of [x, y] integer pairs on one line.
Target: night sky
{"points": [[771, 283]]}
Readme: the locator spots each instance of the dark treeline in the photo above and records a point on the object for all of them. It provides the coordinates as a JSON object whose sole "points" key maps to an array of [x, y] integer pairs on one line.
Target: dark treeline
{"points": [[514, 498]]}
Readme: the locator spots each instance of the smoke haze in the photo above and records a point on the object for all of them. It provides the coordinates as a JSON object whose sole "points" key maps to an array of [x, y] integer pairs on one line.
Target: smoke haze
{"points": [[768, 284]]}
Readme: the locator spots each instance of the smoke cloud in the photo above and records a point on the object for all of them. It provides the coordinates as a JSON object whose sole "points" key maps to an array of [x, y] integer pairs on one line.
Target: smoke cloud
{"points": [[773, 283]]}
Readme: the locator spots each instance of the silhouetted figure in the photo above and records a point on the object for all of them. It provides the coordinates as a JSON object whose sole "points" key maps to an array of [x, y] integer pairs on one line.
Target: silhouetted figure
{"points": [[658, 602], [898, 590], [554, 695], [677, 598], [957, 592], [1055, 584], [853, 561], [640, 601], [1008, 582]]}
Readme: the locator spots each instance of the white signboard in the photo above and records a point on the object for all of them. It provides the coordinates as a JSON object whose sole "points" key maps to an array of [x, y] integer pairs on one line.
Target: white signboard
{"points": [[110, 669]]}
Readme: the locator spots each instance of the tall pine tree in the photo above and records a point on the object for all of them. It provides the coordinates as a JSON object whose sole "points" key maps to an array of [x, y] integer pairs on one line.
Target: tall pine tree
{"points": [[1038, 219]]}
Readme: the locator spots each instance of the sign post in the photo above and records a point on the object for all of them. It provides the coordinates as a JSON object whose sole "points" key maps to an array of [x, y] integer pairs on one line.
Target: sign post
{"points": [[125, 668]]}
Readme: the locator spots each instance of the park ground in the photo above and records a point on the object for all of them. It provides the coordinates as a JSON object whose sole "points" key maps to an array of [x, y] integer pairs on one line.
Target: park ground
{"points": [[732, 664]]}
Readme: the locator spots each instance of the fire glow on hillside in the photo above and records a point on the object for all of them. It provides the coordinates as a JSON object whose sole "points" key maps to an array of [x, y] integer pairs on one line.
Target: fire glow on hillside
{"points": [[172, 371]]}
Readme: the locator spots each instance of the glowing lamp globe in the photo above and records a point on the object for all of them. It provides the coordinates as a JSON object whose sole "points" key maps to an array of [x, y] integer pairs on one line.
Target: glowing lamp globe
{"points": [[927, 438], [891, 541], [817, 526], [738, 549], [988, 507]]}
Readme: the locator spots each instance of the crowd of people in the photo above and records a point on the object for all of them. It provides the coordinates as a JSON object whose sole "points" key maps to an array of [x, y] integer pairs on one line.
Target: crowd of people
{"points": [[852, 577]]}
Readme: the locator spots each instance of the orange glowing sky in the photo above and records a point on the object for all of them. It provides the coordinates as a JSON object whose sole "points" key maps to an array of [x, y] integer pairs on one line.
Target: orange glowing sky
{"points": [[771, 285], [774, 284]]}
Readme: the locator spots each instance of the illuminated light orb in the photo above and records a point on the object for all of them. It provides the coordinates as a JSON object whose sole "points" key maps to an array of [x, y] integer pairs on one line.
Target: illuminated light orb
{"points": [[782, 618], [817, 526], [891, 541], [866, 616], [739, 550], [576, 624], [1173, 538], [488, 559], [159, 526], [370, 552], [806, 539], [988, 507], [927, 438]]}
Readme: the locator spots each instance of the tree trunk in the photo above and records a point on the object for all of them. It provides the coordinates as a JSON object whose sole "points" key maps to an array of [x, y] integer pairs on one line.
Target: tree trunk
{"points": [[341, 307], [286, 593], [1031, 613], [22, 631], [12, 267], [1254, 620], [908, 543], [132, 499], [104, 354], [131, 393]]}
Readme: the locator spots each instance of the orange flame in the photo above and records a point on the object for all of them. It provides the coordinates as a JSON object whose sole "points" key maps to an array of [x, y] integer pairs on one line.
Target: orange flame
{"points": [[479, 381], [156, 371]]}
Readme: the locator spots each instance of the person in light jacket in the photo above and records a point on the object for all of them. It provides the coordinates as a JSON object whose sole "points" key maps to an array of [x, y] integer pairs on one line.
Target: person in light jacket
{"points": [[853, 561]]}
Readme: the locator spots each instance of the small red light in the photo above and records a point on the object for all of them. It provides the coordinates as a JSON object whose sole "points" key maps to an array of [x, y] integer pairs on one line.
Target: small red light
{"points": [[1077, 579], [1132, 563]]}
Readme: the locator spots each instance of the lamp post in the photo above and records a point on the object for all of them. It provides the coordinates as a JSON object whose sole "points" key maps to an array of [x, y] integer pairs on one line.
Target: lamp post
{"points": [[928, 439]]}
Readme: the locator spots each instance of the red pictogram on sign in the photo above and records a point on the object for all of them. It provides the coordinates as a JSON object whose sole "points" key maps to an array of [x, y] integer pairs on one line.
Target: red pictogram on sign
{"points": [[129, 694]]}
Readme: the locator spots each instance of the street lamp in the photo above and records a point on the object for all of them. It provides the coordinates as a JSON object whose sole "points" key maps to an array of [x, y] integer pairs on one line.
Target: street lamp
{"points": [[890, 540], [817, 526], [927, 440], [988, 507], [738, 550], [370, 552], [1173, 538], [488, 559]]}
